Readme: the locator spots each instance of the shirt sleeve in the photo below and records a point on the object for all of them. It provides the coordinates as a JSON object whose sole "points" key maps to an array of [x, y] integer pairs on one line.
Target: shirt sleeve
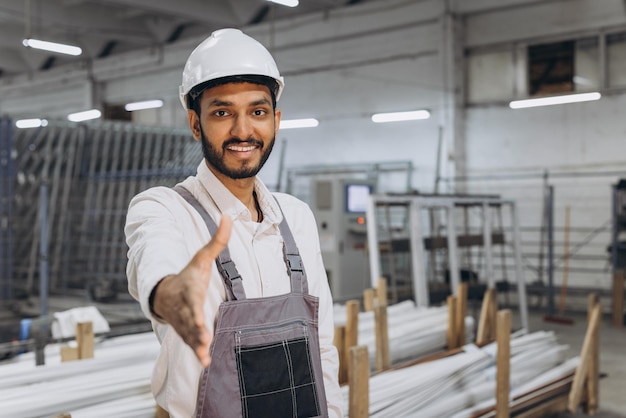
{"points": [[155, 243]]}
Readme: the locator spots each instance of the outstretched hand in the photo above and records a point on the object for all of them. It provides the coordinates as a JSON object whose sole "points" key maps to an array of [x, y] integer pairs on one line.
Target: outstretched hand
{"points": [[179, 299]]}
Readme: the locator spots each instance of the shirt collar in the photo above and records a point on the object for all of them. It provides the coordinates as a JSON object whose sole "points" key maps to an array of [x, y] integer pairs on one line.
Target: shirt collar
{"points": [[226, 202]]}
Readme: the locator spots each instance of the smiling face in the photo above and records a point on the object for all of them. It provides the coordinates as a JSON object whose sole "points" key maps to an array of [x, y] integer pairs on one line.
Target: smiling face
{"points": [[237, 126]]}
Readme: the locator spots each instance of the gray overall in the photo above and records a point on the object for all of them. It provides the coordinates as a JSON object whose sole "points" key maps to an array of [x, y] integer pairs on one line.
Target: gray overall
{"points": [[265, 351]]}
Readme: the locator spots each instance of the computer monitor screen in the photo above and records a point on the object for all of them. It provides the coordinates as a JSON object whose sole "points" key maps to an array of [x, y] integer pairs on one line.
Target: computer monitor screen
{"points": [[356, 197]]}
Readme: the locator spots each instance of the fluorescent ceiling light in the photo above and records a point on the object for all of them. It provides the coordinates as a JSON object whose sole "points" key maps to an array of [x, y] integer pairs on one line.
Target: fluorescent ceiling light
{"points": [[52, 46], [299, 123], [31, 123], [147, 104], [400, 116], [289, 3], [554, 100], [83, 116]]}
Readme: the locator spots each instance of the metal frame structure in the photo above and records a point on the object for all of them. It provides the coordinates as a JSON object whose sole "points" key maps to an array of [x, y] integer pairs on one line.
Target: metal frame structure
{"points": [[7, 178], [416, 204], [91, 172]]}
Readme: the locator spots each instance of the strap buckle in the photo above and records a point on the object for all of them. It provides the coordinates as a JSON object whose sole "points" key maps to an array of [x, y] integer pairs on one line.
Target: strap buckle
{"points": [[295, 262], [229, 271]]}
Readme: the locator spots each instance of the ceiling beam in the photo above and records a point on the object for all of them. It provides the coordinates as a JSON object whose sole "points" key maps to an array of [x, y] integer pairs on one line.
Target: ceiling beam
{"points": [[246, 10], [50, 17], [161, 29], [11, 35], [12, 62], [202, 11]]}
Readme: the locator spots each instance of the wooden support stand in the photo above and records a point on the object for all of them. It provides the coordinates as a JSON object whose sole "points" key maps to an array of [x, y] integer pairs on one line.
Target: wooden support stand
{"points": [[503, 363], [369, 296], [571, 391], [339, 343], [382, 338], [451, 338], [457, 310], [381, 292], [487, 322], [461, 312], [567, 393], [375, 297], [347, 337], [85, 344], [359, 383], [593, 390], [588, 366]]}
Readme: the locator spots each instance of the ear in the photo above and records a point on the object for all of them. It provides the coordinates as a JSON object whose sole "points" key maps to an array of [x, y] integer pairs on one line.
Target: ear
{"points": [[277, 115], [194, 124]]}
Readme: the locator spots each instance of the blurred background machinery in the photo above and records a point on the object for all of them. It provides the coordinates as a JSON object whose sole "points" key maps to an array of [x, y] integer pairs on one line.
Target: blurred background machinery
{"points": [[617, 251]]}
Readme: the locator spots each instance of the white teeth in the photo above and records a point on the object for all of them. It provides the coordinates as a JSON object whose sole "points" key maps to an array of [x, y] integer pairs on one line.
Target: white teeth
{"points": [[241, 149]]}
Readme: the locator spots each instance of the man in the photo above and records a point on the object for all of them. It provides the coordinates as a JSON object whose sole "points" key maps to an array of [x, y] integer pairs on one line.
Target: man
{"points": [[245, 322]]}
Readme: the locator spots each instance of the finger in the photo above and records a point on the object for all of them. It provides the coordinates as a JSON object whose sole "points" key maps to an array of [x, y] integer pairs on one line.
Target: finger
{"points": [[205, 258], [202, 352], [206, 255], [220, 240], [202, 349]]}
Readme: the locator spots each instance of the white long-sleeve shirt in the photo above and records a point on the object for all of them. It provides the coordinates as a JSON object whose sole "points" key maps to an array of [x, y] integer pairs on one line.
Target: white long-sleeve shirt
{"points": [[163, 233]]}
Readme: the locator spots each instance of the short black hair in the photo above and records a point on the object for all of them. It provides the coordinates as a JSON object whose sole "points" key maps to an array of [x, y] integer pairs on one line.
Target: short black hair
{"points": [[196, 92]]}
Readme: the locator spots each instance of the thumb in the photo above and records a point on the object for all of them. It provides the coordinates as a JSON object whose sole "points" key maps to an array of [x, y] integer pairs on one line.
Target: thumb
{"points": [[209, 252]]}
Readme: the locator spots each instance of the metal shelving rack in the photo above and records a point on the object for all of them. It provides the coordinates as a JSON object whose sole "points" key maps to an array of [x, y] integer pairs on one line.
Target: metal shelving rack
{"points": [[415, 204]]}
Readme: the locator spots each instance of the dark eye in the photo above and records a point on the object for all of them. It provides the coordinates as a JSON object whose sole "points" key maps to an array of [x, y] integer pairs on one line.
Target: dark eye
{"points": [[220, 113], [260, 112]]}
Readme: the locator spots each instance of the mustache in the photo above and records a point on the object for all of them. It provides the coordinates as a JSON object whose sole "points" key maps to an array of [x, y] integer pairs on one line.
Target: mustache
{"points": [[238, 141]]}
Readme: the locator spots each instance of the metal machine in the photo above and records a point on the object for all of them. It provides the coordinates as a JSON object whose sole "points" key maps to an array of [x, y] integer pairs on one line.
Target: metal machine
{"points": [[339, 206]]}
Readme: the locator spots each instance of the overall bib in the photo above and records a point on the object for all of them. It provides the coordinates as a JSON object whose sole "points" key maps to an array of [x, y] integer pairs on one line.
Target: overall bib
{"points": [[265, 351]]}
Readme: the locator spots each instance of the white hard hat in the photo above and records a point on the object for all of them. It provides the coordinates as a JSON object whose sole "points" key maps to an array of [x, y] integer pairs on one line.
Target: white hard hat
{"points": [[227, 52]]}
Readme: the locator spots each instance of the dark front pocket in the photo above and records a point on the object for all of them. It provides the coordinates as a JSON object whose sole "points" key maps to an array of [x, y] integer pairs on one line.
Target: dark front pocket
{"points": [[277, 380]]}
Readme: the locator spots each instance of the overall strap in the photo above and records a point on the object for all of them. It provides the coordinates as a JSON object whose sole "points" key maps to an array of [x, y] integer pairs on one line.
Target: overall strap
{"points": [[292, 258], [225, 265]]}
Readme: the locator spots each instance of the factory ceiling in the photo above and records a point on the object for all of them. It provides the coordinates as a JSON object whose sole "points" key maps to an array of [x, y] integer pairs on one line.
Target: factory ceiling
{"points": [[107, 27]]}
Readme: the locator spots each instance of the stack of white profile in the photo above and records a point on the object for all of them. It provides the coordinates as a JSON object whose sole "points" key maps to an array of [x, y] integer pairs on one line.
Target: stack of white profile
{"points": [[115, 383], [464, 383], [413, 331]]}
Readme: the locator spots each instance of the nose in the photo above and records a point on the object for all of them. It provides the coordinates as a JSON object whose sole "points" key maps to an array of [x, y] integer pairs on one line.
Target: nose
{"points": [[242, 127]]}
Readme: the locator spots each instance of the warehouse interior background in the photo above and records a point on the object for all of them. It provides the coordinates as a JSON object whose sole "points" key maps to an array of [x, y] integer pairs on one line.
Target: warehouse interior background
{"points": [[462, 61]]}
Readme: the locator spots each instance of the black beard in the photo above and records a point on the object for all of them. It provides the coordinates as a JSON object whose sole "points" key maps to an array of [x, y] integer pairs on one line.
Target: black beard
{"points": [[215, 157]]}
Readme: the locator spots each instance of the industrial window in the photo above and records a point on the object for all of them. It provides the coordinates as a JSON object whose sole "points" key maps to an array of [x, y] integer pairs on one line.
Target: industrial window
{"points": [[587, 64], [551, 68], [616, 59], [116, 112], [543, 69]]}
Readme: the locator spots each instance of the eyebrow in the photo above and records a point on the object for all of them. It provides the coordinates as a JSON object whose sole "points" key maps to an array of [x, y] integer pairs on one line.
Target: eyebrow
{"points": [[218, 102], [259, 102]]}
